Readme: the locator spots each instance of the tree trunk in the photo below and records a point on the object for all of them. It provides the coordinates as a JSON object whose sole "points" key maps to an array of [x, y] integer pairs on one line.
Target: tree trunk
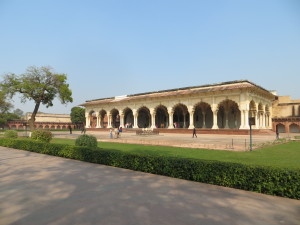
{"points": [[32, 119]]}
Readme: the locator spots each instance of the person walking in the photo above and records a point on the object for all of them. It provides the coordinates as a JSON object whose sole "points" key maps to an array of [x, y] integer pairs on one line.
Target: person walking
{"points": [[70, 128], [194, 132], [110, 134]]}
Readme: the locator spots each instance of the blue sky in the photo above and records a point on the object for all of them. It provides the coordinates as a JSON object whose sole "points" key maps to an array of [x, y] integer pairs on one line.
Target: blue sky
{"points": [[112, 48]]}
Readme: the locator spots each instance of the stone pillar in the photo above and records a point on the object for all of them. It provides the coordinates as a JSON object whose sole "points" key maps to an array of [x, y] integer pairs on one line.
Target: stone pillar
{"points": [[226, 119], [191, 119], [122, 120], [171, 113], [215, 119], [263, 120], [184, 120], [109, 118], [98, 120], [242, 119], [203, 115], [87, 120], [153, 114], [246, 121], [135, 119]]}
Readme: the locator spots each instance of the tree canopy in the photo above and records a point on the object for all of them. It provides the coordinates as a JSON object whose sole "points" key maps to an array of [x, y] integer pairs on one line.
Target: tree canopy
{"points": [[4, 105], [39, 84], [77, 115]]}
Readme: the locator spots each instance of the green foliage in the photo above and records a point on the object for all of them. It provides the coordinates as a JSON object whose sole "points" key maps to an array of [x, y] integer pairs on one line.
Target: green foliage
{"points": [[11, 134], [87, 141], [38, 84], [4, 105], [267, 180], [77, 115], [5, 117], [41, 135]]}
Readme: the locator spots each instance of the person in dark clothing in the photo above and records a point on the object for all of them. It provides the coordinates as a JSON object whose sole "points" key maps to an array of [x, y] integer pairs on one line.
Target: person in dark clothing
{"points": [[194, 132], [70, 128]]}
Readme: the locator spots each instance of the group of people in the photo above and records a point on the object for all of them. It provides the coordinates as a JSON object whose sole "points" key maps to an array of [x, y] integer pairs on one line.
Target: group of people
{"points": [[117, 132]]}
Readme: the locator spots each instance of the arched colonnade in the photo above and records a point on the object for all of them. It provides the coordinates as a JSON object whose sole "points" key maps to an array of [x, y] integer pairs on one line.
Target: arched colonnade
{"points": [[228, 114]]}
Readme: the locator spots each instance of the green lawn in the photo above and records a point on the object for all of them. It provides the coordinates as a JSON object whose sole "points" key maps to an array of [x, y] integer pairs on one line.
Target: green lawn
{"points": [[283, 155]]}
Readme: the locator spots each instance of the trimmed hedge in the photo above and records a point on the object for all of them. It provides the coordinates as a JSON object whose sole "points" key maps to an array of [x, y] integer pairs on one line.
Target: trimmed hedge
{"points": [[267, 180], [10, 134]]}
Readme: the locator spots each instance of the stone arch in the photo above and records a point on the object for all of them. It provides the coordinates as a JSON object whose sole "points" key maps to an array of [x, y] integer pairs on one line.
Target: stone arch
{"points": [[40, 126], [128, 117], [280, 128], [229, 115], [13, 127], [93, 119], [203, 115], [103, 119], [144, 117], [58, 127], [52, 127], [294, 128], [64, 127], [115, 118], [161, 117], [47, 127], [181, 116]]}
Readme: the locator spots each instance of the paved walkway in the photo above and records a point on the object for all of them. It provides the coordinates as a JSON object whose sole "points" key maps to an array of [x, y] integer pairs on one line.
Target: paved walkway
{"points": [[208, 141], [42, 189]]}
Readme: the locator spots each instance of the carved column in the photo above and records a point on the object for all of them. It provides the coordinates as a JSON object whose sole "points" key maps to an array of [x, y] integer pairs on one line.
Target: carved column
{"points": [[135, 119], [226, 119], [215, 120], [246, 117], [203, 115], [170, 111], [109, 118], [87, 120], [191, 119], [122, 120]]}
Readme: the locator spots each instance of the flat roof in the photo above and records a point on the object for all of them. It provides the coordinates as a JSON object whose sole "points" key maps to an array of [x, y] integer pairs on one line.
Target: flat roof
{"points": [[179, 91]]}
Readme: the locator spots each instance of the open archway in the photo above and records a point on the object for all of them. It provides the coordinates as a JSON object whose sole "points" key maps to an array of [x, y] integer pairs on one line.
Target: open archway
{"points": [[181, 116], [280, 128], [294, 128], [161, 117], [93, 119], [203, 115], [128, 118], [103, 119], [115, 118], [144, 117], [229, 115]]}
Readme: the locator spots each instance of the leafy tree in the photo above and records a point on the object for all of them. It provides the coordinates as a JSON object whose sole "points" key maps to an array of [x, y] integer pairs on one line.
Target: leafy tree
{"points": [[5, 117], [4, 105], [77, 116], [19, 112], [39, 84]]}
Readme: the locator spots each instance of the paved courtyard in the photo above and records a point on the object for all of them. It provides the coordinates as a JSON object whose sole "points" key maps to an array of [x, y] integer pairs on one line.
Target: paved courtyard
{"points": [[208, 141], [42, 189]]}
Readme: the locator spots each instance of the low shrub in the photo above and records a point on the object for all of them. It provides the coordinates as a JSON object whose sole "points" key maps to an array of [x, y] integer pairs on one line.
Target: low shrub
{"points": [[41, 135], [86, 140], [11, 134], [267, 180]]}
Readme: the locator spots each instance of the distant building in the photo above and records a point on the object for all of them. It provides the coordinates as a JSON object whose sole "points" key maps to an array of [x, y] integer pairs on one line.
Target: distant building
{"points": [[43, 121], [286, 115]]}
